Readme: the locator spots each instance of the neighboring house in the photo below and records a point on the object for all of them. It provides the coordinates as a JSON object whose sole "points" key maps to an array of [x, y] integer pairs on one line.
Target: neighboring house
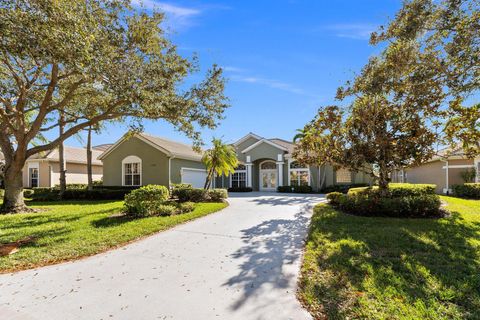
{"points": [[443, 170], [265, 164], [43, 169]]}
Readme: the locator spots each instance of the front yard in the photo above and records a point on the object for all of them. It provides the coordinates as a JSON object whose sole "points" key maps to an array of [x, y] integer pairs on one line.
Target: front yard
{"points": [[70, 230], [384, 268]]}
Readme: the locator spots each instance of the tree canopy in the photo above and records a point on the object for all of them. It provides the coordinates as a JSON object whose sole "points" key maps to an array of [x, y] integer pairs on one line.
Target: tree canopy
{"points": [[92, 60]]}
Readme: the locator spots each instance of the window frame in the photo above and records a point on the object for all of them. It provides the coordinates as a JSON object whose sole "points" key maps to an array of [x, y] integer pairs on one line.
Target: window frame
{"points": [[131, 160], [238, 173], [299, 171]]}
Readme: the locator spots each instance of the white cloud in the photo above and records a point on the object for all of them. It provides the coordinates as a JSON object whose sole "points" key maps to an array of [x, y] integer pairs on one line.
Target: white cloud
{"points": [[359, 31], [176, 15]]}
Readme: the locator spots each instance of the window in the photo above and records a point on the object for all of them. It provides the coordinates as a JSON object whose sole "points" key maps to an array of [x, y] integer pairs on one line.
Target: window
{"points": [[33, 173], [268, 165], [343, 176], [239, 178], [132, 170], [299, 174]]}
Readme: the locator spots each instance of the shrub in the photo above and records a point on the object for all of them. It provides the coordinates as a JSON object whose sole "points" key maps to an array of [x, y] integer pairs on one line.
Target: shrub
{"points": [[27, 193], [2, 193], [51, 194], [294, 189], [399, 189], [369, 203], [334, 198], [467, 190], [147, 201], [190, 194], [163, 210], [185, 207], [181, 186], [343, 188], [217, 195], [240, 189]]}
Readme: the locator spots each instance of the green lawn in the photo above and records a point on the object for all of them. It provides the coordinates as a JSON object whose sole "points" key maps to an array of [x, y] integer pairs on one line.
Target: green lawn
{"points": [[70, 230], [385, 268]]}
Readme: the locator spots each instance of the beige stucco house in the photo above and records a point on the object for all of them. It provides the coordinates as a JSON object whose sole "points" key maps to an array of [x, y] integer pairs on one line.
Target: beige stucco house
{"points": [[265, 164], [443, 170], [43, 170]]}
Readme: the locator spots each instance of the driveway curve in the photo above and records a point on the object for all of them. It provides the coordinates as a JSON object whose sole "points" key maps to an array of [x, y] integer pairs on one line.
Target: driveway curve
{"points": [[239, 263]]}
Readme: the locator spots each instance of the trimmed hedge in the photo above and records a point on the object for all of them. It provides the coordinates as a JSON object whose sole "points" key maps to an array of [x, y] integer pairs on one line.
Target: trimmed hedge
{"points": [[403, 200], [184, 194], [240, 189], [50, 194], [401, 189], [467, 190], [148, 201], [294, 189], [343, 188]]}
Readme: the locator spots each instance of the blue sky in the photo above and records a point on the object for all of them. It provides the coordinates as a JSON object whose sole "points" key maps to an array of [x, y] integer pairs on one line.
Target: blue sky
{"points": [[282, 59]]}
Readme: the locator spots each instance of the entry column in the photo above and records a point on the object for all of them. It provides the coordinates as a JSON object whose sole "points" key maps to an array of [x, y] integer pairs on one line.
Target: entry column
{"points": [[249, 165], [280, 169]]}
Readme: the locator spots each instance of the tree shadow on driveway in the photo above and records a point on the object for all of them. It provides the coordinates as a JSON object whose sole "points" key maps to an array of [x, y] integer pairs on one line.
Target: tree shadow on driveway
{"points": [[268, 248]]}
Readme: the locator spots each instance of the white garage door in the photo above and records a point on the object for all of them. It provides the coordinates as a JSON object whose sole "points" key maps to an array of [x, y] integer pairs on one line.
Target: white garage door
{"points": [[195, 177]]}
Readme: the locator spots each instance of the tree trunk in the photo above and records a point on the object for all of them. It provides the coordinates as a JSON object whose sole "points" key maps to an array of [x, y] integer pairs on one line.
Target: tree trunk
{"points": [[383, 182], [89, 159], [13, 198], [61, 158], [209, 179]]}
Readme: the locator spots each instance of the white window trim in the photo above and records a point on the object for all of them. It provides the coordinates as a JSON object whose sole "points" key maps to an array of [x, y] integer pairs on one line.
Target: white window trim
{"points": [[239, 171], [33, 165], [307, 169], [132, 159]]}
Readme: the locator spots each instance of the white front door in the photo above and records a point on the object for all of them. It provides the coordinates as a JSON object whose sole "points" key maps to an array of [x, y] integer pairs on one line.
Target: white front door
{"points": [[268, 180]]}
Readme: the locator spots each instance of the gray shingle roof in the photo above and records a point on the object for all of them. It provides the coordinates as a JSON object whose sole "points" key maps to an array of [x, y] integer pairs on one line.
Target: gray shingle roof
{"points": [[177, 149]]}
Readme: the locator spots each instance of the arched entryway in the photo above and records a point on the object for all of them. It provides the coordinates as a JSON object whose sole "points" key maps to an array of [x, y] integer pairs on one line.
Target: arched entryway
{"points": [[268, 180]]}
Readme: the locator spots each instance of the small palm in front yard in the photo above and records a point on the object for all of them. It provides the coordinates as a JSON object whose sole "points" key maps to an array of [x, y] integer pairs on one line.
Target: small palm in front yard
{"points": [[385, 268], [69, 230]]}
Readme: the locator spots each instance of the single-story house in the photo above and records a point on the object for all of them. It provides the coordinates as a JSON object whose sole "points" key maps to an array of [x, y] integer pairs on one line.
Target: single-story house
{"points": [[43, 169], [443, 170], [265, 164]]}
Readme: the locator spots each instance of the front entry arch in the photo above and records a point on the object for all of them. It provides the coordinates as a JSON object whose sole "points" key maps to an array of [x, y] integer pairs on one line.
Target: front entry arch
{"points": [[268, 176]]}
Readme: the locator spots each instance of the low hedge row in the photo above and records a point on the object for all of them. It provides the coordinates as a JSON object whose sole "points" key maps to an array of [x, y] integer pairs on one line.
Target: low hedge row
{"points": [[294, 189], [240, 189], [467, 190], [400, 189], [51, 194], [184, 194], [403, 200], [343, 188]]}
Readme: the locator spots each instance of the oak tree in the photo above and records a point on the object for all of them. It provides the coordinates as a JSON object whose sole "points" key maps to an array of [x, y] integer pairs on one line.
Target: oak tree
{"points": [[93, 60]]}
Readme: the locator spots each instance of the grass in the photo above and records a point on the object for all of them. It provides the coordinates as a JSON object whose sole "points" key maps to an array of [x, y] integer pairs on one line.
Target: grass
{"points": [[384, 268], [71, 230]]}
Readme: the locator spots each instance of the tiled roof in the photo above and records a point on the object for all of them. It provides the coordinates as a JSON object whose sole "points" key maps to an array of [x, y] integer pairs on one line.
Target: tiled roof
{"points": [[102, 147], [178, 149], [72, 154], [284, 143]]}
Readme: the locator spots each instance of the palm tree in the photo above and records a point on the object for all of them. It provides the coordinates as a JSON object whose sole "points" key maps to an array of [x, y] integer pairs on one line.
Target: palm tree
{"points": [[220, 159]]}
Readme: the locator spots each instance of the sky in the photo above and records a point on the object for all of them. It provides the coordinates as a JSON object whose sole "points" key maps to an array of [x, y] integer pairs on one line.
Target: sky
{"points": [[282, 59]]}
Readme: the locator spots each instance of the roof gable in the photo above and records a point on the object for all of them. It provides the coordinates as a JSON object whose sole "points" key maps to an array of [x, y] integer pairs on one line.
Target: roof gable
{"points": [[245, 138], [262, 141], [170, 148]]}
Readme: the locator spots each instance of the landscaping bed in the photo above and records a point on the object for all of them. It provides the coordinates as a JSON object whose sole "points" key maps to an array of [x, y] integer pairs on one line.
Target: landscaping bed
{"points": [[358, 267], [68, 230]]}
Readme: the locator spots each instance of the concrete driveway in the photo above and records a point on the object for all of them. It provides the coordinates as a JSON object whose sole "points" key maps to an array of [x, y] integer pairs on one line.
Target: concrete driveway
{"points": [[240, 263]]}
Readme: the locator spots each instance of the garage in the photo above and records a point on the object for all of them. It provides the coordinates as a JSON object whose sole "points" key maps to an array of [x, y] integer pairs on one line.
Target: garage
{"points": [[195, 177]]}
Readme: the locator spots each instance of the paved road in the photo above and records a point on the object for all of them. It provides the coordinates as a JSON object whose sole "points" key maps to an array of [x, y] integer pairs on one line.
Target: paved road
{"points": [[240, 263]]}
